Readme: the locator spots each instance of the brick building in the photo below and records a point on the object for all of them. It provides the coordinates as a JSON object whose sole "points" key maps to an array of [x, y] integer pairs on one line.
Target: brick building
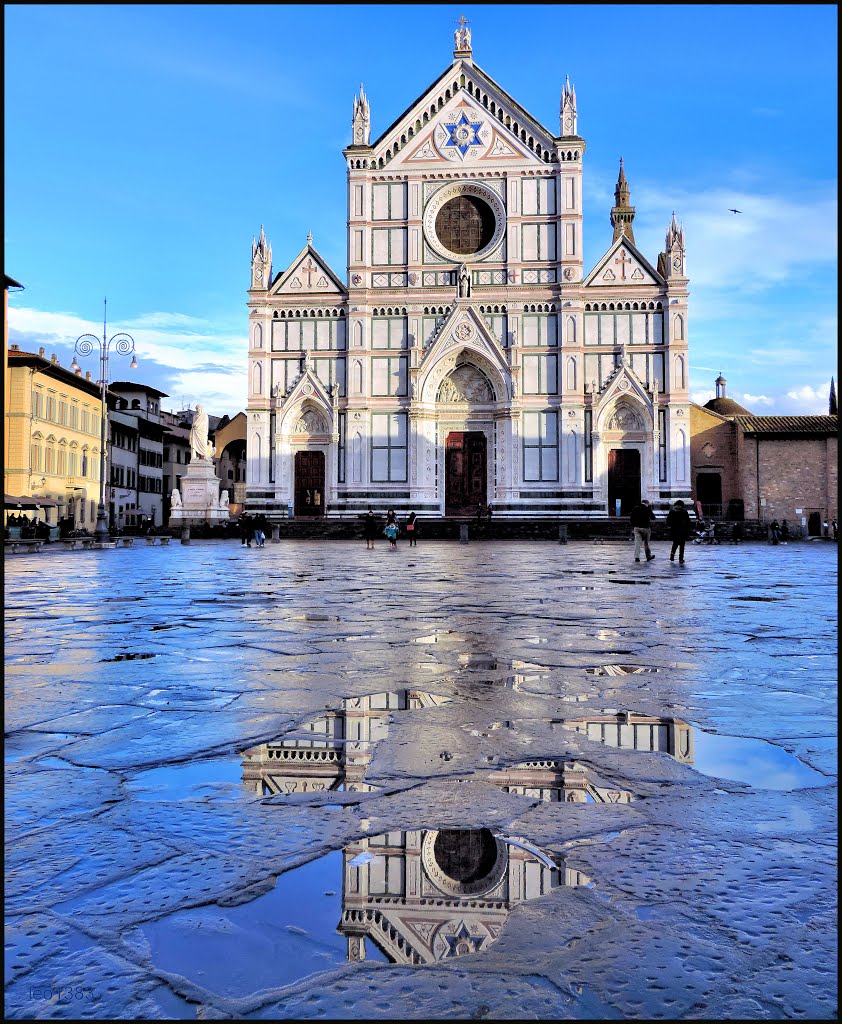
{"points": [[789, 464], [764, 467]]}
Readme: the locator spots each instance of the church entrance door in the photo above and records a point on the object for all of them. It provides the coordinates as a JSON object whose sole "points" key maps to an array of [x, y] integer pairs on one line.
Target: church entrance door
{"points": [[309, 483], [465, 468], [623, 480]]}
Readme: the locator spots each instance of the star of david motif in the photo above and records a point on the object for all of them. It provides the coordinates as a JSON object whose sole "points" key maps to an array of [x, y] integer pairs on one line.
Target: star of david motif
{"points": [[462, 942], [463, 134]]}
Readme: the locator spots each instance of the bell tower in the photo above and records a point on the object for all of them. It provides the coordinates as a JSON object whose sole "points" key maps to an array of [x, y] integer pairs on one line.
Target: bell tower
{"points": [[622, 212]]}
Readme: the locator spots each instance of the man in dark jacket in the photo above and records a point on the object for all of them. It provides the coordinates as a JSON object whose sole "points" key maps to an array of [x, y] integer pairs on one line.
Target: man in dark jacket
{"points": [[641, 519], [680, 528]]}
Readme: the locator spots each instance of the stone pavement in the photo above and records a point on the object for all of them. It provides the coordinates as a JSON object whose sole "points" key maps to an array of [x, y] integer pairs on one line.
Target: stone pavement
{"points": [[584, 788]]}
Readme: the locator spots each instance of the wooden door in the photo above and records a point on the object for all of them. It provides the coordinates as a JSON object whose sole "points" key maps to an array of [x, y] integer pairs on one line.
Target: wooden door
{"points": [[309, 483], [623, 480], [465, 472]]}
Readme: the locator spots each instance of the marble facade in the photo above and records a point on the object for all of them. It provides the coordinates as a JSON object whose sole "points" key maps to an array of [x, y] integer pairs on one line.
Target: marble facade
{"points": [[469, 356]]}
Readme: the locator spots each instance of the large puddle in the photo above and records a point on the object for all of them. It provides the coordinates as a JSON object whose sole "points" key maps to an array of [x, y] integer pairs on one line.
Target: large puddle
{"points": [[408, 897]]}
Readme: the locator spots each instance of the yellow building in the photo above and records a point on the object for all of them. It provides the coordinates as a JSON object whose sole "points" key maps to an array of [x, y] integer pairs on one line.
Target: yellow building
{"points": [[53, 423], [8, 283]]}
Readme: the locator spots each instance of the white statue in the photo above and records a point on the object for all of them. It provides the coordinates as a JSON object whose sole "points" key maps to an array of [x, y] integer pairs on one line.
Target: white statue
{"points": [[223, 500], [462, 35], [175, 498], [464, 283], [200, 446]]}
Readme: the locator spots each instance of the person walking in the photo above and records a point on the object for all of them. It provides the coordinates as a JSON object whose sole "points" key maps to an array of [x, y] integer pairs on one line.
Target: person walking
{"points": [[737, 533], [244, 523], [835, 529], [370, 528], [774, 531], [412, 530], [260, 526], [784, 532], [680, 528], [641, 519]]}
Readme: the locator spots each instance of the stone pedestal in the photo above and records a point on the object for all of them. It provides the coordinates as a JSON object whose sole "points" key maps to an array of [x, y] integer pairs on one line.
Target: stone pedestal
{"points": [[200, 501]]}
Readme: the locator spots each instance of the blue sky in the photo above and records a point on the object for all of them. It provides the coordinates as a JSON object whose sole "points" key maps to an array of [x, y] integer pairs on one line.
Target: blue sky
{"points": [[145, 146]]}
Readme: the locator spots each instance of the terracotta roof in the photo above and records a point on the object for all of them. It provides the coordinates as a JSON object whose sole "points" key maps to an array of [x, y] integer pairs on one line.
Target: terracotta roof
{"points": [[727, 407], [788, 425]]}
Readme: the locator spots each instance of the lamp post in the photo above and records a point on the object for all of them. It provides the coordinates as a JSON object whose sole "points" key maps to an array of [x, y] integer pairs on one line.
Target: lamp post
{"points": [[85, 344]]}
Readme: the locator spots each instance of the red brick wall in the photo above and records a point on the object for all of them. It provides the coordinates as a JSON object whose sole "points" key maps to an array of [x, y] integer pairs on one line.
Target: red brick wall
{"points": [[713, 448], [794, 474]]}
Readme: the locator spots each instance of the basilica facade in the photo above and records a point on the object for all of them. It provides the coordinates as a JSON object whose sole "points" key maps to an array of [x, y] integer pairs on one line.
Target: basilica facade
{"points": [[469, 357]]}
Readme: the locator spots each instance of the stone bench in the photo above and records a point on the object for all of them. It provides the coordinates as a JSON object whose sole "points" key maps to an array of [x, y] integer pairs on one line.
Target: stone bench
{"points": [[19, 547], [123, 542]]}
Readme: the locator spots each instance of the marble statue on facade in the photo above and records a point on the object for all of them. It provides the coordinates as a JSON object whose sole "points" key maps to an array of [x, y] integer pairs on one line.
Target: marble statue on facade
{"points": [[462, 35], [464, 283]]}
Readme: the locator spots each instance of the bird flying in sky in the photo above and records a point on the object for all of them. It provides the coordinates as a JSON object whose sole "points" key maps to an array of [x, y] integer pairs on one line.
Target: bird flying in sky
{"points": [[735, 211]]}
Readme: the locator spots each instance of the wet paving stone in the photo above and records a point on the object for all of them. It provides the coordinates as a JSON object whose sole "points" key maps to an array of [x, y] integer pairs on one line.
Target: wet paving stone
{"points": [[497, 781]]}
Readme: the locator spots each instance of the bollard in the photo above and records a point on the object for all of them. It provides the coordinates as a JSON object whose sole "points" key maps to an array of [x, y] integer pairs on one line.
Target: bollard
{"points": [[562, 534], [276, 534], [463, 533], [185, 535]]}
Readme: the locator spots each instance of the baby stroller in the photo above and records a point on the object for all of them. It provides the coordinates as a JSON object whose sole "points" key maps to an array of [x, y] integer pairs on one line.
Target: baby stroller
{"points": [[705, 533]]}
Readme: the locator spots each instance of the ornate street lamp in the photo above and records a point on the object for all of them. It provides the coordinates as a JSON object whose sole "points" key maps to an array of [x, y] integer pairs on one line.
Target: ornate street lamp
{"points": [[85, 344]]}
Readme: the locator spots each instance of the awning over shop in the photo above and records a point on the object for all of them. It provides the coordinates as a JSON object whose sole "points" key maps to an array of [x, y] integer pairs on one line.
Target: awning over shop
{"points": [[11, 501]]}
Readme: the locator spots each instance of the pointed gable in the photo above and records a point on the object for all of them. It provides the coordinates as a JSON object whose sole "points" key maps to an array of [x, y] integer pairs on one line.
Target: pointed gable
{"points": [[464, 115], [624, 392], [623, 265], [462, 132], [308, 274], [307, 392], [463, 334]]}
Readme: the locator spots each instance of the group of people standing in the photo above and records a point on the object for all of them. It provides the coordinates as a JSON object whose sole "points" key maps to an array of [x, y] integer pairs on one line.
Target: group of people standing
{"points": [[372, 530], [679, 525], [253, 528]]}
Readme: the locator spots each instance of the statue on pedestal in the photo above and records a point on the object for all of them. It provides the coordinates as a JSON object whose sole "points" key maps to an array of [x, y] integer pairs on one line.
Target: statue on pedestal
{"points": [[175, 498], [200, 446]]}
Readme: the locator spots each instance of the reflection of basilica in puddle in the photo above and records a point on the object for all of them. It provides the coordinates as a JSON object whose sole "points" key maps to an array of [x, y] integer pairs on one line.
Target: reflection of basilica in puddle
{"points": [[555, 780], [333, 751], [419, 896], [432, 895], [428, 895]]}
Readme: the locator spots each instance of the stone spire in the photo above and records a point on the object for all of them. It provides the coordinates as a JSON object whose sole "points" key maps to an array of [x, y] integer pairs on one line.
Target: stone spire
{"points": [[675, 235], [832, 407], [261, 261], [622, 212], [362, 119], [567, 110], [671, 260]]}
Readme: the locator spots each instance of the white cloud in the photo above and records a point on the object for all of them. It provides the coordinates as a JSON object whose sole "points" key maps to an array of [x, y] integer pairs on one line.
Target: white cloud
{"points": [[775, 237], [180, 354], [701, 397], [757, 399], [169, 343], [809, 399], [217, 390]]}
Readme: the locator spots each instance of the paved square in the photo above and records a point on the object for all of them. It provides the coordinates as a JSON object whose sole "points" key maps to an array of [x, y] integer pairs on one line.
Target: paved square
{"points": [[523, 780]]}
